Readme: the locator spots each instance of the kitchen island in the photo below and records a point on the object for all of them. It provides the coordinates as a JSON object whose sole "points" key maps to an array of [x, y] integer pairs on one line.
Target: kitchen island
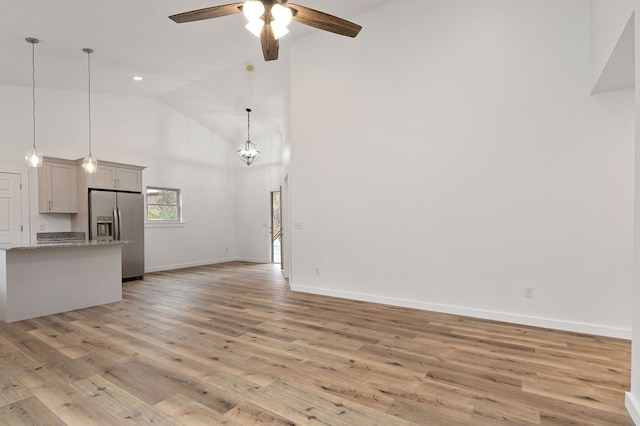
{"points": [[44, 279]]}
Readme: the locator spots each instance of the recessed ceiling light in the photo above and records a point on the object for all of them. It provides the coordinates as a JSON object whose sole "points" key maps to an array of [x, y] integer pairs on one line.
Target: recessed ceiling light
{"points": [[138, 78]]}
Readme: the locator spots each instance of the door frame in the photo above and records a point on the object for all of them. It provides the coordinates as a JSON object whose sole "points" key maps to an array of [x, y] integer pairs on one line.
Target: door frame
{"points": [[285, 241], [28, 197], [279, 191]]}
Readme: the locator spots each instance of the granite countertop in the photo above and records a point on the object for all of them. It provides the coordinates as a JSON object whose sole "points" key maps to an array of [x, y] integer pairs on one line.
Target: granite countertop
{"points": [[61, 244]]}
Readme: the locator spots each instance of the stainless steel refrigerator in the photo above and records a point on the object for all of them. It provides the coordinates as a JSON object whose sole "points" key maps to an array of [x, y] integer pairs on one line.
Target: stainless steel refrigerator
{"points": [[117, 216]]}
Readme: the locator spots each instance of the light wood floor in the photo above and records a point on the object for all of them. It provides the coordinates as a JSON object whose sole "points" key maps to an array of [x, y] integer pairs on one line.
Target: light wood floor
{"points": [[230, 344]]}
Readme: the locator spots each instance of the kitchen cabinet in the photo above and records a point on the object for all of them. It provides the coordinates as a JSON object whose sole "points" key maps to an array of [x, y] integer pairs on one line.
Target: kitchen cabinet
{"points": [[109, 176], [116, 177], [48, 279], [58, 186]]}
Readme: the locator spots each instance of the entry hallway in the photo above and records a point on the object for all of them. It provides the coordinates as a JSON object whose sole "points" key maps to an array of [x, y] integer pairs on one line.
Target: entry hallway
{"points": [[230, 344]]}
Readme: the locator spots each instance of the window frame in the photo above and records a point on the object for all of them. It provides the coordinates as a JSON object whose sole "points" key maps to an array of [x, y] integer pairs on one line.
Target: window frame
{"points": [[178, 206]]}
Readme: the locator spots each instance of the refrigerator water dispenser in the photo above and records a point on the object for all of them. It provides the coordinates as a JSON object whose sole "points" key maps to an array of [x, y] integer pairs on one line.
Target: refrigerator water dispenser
{"points": [[104, 227]]}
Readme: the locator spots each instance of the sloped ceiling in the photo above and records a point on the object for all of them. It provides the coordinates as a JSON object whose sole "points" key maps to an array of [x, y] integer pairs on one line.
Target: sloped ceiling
{"points": [[198, 68], [620, 70]]}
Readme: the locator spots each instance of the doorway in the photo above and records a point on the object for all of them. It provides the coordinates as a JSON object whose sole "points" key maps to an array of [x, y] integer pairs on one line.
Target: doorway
{"points": [[276, 228]]}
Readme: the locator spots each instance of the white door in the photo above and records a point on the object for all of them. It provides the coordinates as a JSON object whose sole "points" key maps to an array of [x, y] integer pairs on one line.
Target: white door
{"points": [[10, 210]]}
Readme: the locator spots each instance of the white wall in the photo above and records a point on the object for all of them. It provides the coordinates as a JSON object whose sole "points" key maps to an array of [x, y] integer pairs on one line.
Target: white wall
{"points": [[254, 185], [176, 151], [458, 158], [632, 399]]}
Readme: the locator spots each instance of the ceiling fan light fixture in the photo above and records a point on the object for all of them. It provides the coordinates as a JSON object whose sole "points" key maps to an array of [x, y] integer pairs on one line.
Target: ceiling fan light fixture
{"points": [[255, 27], [253, 10], [281, 14], [279, 29], [268, 20]]}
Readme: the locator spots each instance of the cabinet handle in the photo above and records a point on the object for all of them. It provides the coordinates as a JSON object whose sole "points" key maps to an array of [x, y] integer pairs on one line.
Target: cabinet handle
{"points": [[118, 183], [49, 205]]}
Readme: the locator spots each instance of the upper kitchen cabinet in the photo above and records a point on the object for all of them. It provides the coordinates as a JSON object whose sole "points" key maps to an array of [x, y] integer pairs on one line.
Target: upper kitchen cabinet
{"points": [[109, 176], [118, 177], [58, 186]]}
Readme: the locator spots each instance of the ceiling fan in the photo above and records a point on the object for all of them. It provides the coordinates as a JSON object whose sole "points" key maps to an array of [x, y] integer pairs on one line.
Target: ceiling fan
{"points": [[268, 19]]}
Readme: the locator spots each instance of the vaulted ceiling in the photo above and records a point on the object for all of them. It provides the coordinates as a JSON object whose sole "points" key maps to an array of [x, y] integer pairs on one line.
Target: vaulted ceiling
{"points": [[198, 68]]}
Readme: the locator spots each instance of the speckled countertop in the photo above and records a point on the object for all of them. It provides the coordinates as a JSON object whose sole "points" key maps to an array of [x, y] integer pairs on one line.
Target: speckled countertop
{"points": [[50, 245]]}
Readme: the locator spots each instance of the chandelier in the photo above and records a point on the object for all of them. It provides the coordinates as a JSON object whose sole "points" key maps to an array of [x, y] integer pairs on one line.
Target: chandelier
{"points": [[248, 151]]}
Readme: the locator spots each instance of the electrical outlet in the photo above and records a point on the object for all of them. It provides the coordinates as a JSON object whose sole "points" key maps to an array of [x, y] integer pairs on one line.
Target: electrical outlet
{"points": [[42, 227], [317, 271], [528, 292]]}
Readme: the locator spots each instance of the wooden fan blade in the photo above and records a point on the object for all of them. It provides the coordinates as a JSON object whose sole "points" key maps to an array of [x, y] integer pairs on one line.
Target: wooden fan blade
{"points": [[324, 21], [207, 13], [270, 45]]}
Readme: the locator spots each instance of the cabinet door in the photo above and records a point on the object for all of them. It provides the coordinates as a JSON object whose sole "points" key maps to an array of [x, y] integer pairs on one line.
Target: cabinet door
{"points": [[129, 179], [103, 178], [61, 188]]}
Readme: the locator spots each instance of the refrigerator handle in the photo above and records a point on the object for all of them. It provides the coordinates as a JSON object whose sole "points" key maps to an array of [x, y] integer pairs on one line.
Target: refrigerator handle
{"points": [[116, 225], [119, 224]]}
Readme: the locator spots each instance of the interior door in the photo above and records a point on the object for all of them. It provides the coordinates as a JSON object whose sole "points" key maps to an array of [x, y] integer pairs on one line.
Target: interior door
{"points": [[10, 209]]}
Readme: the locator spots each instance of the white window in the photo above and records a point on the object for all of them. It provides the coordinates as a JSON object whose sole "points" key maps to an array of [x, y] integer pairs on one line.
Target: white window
{"points": [[163, 205]]}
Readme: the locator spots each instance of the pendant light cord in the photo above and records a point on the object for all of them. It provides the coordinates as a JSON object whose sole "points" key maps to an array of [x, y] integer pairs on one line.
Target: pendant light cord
{"points": [[33, 89], [89, 73]]}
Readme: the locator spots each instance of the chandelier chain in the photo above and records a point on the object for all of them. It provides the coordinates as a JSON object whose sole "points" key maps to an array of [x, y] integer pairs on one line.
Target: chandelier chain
{"points": [[248, 124]]}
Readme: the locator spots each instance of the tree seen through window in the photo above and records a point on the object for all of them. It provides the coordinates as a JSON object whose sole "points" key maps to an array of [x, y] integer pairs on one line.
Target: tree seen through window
{"points": [[163, 204]]}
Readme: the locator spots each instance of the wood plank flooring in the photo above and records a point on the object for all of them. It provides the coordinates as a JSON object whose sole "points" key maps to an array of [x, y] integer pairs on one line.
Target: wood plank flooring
{"points": [[230, 344]]}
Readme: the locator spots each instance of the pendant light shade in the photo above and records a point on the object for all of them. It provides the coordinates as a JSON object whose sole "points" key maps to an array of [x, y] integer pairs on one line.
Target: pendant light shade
{"points": [[33, 156], [248, 151], [89, 164]]}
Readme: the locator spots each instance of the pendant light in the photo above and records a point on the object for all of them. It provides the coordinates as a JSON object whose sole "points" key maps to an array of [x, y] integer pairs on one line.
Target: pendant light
{"points": [[33, 157], [89, 164], [248, 151]]}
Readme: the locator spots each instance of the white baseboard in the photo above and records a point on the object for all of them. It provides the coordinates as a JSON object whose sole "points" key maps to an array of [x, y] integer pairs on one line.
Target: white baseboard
{"points": [[577, 327], [633, 407], [161, 268], [200, 263], [250, 260]]}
